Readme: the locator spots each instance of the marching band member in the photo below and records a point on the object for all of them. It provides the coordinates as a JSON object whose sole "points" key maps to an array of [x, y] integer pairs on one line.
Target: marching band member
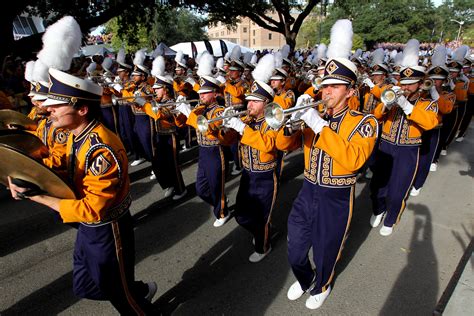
{"points": [[259, 181], [166, 161], [379, 71], [211, 171], [460, 85], [285, 98], [438, 72], [466, 119], [335, 147], [397, 156], [143, 125], [104, 251], [109, 113], [234, 94]]}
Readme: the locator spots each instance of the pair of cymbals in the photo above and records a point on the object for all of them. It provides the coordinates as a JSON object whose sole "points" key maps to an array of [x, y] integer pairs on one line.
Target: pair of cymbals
{"points": [[17, 120]]}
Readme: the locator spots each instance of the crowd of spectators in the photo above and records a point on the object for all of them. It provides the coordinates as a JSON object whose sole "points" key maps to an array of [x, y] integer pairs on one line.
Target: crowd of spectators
{"points": [[99, 39]]}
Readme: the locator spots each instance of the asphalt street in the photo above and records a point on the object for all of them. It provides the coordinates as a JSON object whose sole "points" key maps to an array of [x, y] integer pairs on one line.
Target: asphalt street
{"points": [[202, 270]]}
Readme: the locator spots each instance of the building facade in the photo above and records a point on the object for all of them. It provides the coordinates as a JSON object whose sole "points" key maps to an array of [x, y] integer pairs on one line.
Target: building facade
{"points": [[247, 33]]}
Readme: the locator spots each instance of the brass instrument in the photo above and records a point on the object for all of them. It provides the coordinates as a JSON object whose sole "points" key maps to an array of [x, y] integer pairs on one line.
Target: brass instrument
{"points": [[389, 96], [427, 84], [203, 122], [361, 78], [317, 82], [276, 116], [171, 106]]}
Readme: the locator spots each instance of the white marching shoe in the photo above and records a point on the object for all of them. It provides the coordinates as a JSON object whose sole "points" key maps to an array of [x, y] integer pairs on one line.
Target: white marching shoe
{"points": [[179, 196], [444, 152], [415, 192], [221, 221], [295, 291], [368, 174], [459, 139], [153, 176], [169, 192], [434, 167], [151, 291], [376, 219], [137, 162], [257, 257], [316, 301], [386, 231]]}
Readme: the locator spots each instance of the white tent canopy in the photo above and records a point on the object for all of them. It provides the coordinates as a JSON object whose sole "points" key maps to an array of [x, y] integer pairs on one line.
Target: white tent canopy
{"points": [[163, 50], [200, 46]]}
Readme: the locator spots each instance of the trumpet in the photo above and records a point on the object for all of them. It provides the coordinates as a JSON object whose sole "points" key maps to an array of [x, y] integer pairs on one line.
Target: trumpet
{"points": [[115, 100], [276, 116], [427, 84], [171, 106], [390, 96], [317, 82], [203, 122]]}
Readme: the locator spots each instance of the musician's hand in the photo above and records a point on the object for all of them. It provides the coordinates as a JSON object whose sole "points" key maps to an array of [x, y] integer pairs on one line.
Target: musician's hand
{"points": [[434, 93], [117, 87], [303, 99], [184, 108], [406, 106], [180, 98], [313, 120], [236, 124], [191, 81], [18, 192], [369, 83]]}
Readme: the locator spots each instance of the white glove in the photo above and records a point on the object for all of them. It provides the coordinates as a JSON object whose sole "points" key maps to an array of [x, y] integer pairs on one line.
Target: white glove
{"points": [[191, 81], [117, 87], [184, 108], [406, 106], [434, 93], [221, 79], [227, 111], [369, 83], [108, 80], [396, 88], [296, 116], [313, 120], [140, 101], [180, 98], [236, 124], [302, 99]]}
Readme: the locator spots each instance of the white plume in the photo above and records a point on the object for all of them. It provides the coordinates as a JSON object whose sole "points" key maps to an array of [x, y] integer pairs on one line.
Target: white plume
{"points": [[247, 57], [158, 66], [206, 65], [236, 53], [29, 67], [121, 56], [460, 52], [107, 63], [199, 56], [220, 63], [341, 39], [377, 57], [322, 48], [179, 57], [264, 69], [40, 72], [285, 51], [254, 59], [91, 68], [227, 56], [139, 58], [410, 53], [60, 42], [439, 56], [397, 61], [393, 54], [278, 59]]}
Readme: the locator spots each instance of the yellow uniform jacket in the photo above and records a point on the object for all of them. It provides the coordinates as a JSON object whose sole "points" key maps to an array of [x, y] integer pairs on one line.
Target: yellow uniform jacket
{"points": [[234, 92], [165, 121], [285, 99], [142, 89], [98, 171], [55, 139], [445, 104], [406, 130], [461, 89], [333, 157], [372, 98], [214, 136], [258, 146]]}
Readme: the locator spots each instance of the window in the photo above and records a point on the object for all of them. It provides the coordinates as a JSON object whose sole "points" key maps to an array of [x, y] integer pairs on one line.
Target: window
{"points": [[222, 33], [245, 42], [253, 32], [245, 30], [253, 41], [228, 32], [270, 36]]}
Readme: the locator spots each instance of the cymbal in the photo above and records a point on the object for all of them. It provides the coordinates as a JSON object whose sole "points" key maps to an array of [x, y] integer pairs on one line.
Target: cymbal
{"points": [[15, 164], [24, 142], [10, 117]]}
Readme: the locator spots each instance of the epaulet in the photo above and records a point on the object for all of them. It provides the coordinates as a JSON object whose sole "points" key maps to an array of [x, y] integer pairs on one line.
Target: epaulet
{"points": [[355, 113], [290, 94]]}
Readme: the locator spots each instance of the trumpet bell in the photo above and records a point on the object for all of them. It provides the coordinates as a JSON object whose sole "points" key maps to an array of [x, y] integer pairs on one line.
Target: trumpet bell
{"points": [[274, 115], [389, 96], [427, 84], [202, 124]]}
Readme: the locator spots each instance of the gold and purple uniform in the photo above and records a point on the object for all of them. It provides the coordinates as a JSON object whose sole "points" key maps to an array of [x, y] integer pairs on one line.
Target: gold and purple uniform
{"points": [[210, 179], [372, 98], [397, 157], [109, 112], [259, 181], [469, 108], [321, 214], [285, 98], [55, 139]]}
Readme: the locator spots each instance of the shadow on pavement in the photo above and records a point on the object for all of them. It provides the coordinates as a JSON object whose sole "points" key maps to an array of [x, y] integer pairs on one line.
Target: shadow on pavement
{"points": [[419, 278]]}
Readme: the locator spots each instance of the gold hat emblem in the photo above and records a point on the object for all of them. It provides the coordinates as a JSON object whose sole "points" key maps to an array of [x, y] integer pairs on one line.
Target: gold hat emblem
{"points": [[37, 87], [407, 72], [202, 81], [254, 87], [437, 70], [331, 67]]}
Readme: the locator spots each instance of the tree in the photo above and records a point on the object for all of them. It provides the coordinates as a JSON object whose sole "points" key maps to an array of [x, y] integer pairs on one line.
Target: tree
{"points": [[291, 13], [167, 25]]}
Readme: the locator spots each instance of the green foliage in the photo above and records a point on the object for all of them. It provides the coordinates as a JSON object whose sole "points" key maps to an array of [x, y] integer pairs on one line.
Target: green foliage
{"points": [[166, 25]]}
